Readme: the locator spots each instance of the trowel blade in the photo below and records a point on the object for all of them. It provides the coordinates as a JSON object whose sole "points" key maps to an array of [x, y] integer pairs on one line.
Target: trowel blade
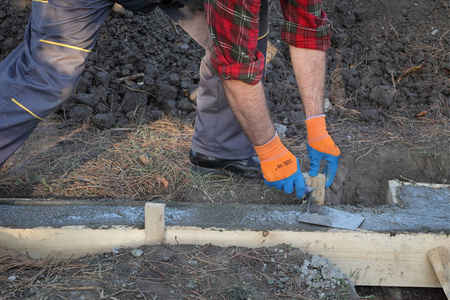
{"points": [[325, 216]]}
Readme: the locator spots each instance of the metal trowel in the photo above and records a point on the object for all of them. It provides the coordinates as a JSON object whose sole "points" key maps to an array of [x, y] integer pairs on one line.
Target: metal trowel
{"points": [[325, 216]]}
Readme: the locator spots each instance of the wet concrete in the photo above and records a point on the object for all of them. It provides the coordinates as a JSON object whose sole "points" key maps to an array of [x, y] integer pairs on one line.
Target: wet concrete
{"points": [[420, 209]]}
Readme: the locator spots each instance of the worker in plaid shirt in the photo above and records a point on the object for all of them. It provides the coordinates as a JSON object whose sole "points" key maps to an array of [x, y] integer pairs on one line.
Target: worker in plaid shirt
{"points": [[39, 75], [234, 29]]}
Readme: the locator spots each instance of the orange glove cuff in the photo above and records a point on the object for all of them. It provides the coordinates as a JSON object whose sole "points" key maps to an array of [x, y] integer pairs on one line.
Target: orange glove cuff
{"points": [[277, 162], [318, 137]]}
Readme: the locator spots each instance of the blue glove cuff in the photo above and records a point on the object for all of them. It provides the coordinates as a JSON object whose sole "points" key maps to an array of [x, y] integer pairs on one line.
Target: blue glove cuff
{"points": [[330, 168]]}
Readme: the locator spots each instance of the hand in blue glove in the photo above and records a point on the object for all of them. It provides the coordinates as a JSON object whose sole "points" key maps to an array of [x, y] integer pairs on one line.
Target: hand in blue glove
{"points": [[280, 167], [296, 181], [321, 147]]}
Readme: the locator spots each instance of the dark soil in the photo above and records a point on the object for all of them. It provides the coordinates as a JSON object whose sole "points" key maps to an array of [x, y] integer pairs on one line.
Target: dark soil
{"points": [[179, 272], [388, 102]]}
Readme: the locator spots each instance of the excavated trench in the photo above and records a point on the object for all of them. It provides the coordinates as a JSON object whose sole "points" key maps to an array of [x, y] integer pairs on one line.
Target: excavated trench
{"points": [[361, 187], [362, 180]]}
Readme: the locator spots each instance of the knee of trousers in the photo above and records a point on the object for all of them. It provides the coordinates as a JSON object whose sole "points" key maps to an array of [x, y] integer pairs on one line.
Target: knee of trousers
{"points": [[61, 66], [36, 82]]}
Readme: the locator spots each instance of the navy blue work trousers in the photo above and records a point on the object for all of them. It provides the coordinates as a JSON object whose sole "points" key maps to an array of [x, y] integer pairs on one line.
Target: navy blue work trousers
{"points": [[42, 72]]}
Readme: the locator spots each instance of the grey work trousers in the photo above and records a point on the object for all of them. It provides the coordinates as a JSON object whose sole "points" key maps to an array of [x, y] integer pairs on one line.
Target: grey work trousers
{"points": [[42, 72]]}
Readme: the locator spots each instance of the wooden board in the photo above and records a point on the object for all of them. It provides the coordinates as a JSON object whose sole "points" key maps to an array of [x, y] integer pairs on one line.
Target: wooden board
{"points": [[440, 260], [374, 259], [69, 241], [369, 258]]}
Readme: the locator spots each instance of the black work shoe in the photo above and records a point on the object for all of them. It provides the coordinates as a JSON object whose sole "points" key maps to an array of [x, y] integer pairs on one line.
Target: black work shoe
{"points": [[204, 164]]}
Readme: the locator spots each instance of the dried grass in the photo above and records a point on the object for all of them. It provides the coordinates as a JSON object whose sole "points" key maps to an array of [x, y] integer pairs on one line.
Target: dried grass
{"points": [[150, 162]]}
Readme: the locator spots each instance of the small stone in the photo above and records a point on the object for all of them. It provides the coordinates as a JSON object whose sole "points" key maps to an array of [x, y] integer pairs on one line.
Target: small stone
{"points": [[115, 251], [184, 47], [166, 258], [382, 95], [185, 105], [12, 277], [276, 62], [270, 281], [164, 91], [144, 160], [193, 262], [137, 252], [104, 121], [281, 129]]}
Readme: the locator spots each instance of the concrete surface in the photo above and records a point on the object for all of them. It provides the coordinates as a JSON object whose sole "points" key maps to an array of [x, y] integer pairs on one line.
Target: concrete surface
{"points": [[419, 209]]}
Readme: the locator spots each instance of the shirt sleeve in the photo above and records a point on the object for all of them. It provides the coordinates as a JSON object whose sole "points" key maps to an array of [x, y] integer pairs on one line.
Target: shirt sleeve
{"points": [[305, 24], [234, 29]]}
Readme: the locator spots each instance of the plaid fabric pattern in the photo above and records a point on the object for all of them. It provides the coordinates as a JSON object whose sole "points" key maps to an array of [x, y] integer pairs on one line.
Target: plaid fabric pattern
{"points": [[305, 24], [234, 29]]}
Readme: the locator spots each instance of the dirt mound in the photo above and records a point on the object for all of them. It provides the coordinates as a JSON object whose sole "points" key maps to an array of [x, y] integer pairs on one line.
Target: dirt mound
{"points": [[386, 60]]}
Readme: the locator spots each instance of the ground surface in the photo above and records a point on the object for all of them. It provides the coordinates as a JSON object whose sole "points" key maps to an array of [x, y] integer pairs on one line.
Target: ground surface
{"points": [[388, 96]]}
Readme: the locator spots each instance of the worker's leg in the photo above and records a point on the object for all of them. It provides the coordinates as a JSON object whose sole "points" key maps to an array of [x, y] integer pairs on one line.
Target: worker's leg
{"points": [[217, 132], [42, 72]]}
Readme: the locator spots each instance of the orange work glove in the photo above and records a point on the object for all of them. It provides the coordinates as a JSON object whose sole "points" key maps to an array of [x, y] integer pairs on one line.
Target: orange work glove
{"points": [[280, 167], [321, 147]]}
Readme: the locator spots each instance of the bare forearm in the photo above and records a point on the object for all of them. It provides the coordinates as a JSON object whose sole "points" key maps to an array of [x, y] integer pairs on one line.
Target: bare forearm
{"points": [[248, 104], [309, 69]]}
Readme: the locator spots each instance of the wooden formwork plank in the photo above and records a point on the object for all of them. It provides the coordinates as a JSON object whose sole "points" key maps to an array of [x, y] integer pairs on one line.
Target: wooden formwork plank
{"points": [[393, 185], [374, 259], [440, 260], [69, 241]]}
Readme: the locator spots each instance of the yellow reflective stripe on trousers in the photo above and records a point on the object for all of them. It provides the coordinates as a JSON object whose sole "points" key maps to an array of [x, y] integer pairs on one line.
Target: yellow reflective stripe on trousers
{"points": [[42, 1], [63, 45], [31, 113], [264, 35]]}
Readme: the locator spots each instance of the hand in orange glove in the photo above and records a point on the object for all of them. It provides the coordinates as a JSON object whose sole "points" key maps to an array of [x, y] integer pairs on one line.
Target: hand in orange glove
{"points": [[321, 147], [280, 167]]}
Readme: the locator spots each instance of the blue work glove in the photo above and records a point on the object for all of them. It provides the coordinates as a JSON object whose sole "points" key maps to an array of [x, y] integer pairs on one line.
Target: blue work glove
{"points": [[296, 181], [321, 147], [280, 167]]}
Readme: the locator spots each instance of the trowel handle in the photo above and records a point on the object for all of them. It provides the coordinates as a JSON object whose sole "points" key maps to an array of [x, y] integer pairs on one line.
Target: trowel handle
{"points": [[307, 197]]}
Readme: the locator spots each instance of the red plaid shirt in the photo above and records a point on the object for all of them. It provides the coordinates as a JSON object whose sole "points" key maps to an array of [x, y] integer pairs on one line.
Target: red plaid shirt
{"points": [[234, 29]]}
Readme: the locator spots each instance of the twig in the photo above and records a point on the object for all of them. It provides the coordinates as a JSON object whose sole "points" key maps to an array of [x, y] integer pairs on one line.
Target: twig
{"points": [[131, 77], [372, 148], [407, 179], [394, 85], [398, 38], [137, 90]]}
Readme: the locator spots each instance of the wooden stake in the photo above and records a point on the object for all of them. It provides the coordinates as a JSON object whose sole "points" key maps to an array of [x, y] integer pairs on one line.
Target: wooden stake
{"points": [[318, 183], [440, 259], [154, 223]]}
